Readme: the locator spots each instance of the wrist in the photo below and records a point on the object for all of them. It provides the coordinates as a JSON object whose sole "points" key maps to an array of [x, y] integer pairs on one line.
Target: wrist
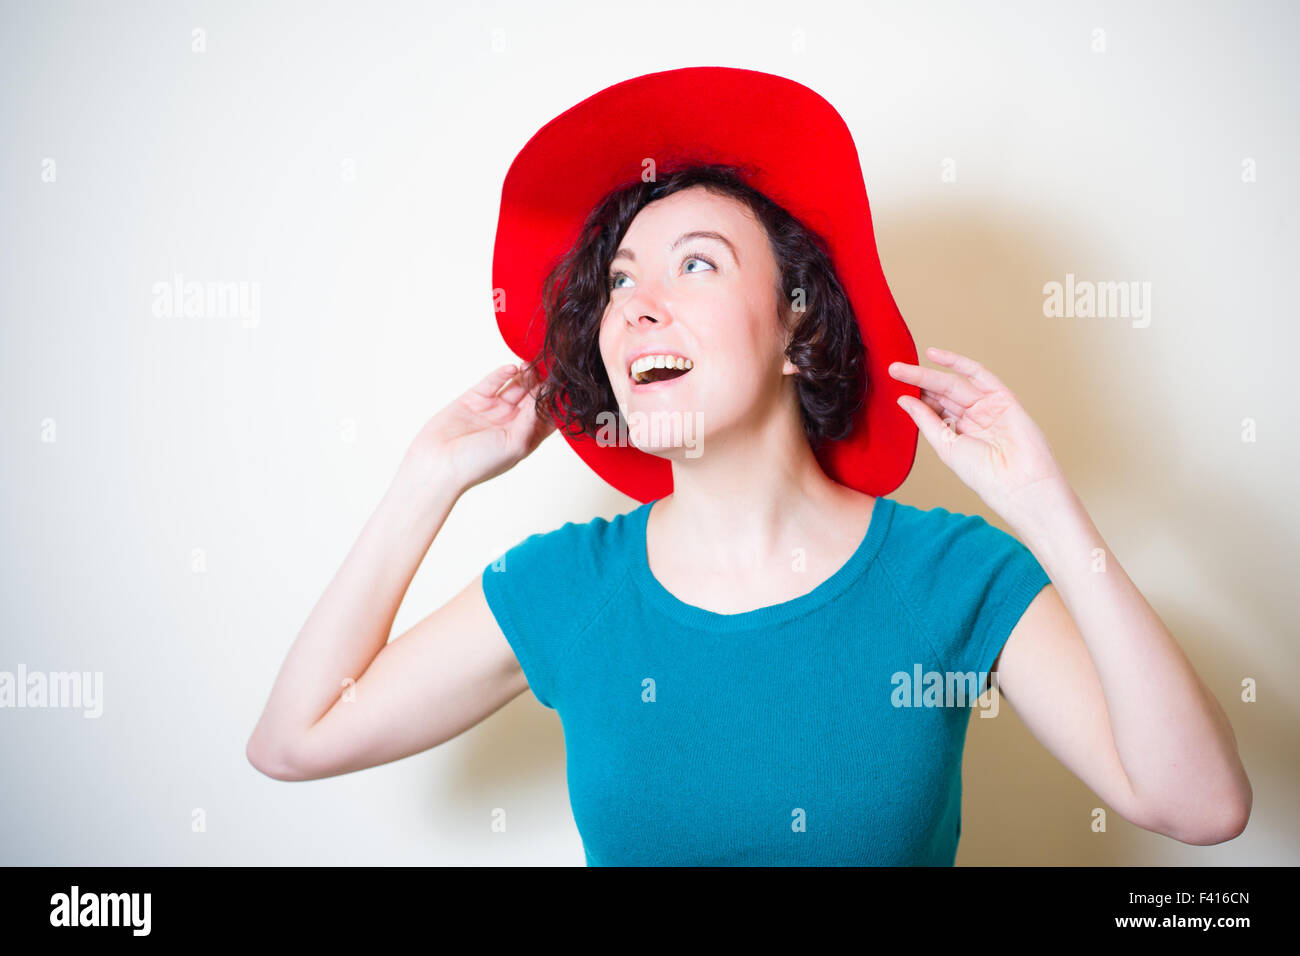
{"points": [[426, 479], [1041, 509]]}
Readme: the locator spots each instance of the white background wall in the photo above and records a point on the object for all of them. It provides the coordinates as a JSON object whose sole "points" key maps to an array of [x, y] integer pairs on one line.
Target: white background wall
{"points": [[172, 434]]}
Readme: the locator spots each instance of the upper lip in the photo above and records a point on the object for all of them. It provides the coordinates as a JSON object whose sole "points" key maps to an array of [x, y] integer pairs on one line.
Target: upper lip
{"points": [[651, 350]]}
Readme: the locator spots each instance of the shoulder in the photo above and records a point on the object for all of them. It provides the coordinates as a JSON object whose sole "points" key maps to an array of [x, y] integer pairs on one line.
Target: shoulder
{"points": [[910, 518], [938, 532], [590, 551], [594, 536], [947, 564], [546, 590]]}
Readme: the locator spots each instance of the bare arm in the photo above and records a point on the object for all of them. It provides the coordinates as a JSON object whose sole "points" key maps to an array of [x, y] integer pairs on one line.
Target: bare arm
{"points": [[345, 698], [1098, 678], [1091, 668]]}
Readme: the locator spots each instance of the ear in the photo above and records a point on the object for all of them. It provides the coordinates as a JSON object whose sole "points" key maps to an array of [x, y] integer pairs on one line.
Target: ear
{"points": [[788, 325]]}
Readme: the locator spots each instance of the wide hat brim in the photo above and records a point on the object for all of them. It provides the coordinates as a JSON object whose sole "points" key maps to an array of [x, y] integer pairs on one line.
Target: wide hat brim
{"points": [[795, 148]]}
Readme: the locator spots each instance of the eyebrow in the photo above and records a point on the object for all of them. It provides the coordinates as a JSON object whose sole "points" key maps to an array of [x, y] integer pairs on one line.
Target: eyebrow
{"points": [[685, 237]]}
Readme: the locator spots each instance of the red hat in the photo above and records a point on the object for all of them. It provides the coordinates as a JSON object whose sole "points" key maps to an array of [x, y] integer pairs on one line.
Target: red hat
{"points": [[796, 149]]}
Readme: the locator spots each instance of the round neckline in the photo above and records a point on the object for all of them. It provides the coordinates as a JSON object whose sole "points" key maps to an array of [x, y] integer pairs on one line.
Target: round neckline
{"points": [[771, 614]]}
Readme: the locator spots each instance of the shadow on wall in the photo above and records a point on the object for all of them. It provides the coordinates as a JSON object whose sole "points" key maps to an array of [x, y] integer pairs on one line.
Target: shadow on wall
{"points": [[972, 280], [1088, 383]]}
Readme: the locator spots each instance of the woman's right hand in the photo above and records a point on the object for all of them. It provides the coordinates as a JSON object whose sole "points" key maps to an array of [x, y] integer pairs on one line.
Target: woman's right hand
{"points": [[482, 433]]}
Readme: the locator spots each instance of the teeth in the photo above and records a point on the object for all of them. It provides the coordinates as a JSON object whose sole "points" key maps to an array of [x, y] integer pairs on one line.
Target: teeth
{"points": [[647, 362]]}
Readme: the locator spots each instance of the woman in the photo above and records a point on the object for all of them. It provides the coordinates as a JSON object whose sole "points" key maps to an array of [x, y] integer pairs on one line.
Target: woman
{"points": [[767, 665]]}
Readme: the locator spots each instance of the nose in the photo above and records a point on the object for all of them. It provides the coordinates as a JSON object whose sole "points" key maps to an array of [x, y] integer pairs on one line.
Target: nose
{"points": [[645, 308]]}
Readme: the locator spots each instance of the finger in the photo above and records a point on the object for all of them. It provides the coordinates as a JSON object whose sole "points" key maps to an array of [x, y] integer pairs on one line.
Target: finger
{"points": [[513, 392], [935, 431], [944, 406], [523, 384], [972, 369], [937, 381], [534, 428], [488, 385], [942, 409], [934, 401]]}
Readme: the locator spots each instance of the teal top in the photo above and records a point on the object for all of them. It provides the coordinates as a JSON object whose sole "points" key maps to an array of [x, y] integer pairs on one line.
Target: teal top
{"points": [[825, 730]]}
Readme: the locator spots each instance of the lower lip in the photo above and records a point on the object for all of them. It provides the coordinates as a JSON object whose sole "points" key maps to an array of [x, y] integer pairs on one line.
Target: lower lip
{"points": [[653, 386]]}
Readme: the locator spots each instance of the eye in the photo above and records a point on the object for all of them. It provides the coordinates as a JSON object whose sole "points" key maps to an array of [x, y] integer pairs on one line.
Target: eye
{"points": [[612, 281], [697, 258]]}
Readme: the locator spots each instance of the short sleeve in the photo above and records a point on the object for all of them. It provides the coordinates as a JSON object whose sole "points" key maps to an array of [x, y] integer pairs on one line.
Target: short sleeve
{"points": [[969, 585], [1016, 578], [543, 592]]}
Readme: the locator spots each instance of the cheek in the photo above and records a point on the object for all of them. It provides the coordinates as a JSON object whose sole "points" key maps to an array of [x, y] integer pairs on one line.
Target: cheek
{"points": [[608, 352], [730, 381], [737, 342]]}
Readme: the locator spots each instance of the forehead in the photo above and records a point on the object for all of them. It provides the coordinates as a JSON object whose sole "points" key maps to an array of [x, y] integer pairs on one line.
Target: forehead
{"points": [[659, 223]]}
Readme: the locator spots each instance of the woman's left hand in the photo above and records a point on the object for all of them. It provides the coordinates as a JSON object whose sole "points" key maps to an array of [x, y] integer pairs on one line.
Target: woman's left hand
{"points": [[978, 428]]}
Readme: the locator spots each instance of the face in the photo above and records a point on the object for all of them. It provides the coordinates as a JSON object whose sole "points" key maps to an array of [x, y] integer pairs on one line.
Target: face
{"points": [[712, 299]]}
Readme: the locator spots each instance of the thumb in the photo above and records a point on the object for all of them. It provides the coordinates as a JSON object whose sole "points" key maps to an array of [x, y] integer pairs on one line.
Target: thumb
{"points": [[939, 435], [529, 424]]}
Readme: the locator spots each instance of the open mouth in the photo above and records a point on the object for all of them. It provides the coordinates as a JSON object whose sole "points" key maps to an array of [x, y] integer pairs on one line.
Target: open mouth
{"points": [[649, 369]]}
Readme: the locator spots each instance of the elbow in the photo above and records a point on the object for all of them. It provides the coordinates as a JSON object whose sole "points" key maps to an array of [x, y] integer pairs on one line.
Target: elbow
{"points": [[1228, 827], [270, 761], [1233, 821], [1225, 820], [1235, 812]]}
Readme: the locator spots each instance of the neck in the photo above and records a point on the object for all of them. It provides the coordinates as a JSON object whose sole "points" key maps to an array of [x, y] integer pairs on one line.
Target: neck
{"points": [[752, 496]]}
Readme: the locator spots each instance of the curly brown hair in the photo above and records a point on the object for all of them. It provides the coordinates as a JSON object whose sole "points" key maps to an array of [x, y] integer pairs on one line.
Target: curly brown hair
{"points": [[826, 344]]}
